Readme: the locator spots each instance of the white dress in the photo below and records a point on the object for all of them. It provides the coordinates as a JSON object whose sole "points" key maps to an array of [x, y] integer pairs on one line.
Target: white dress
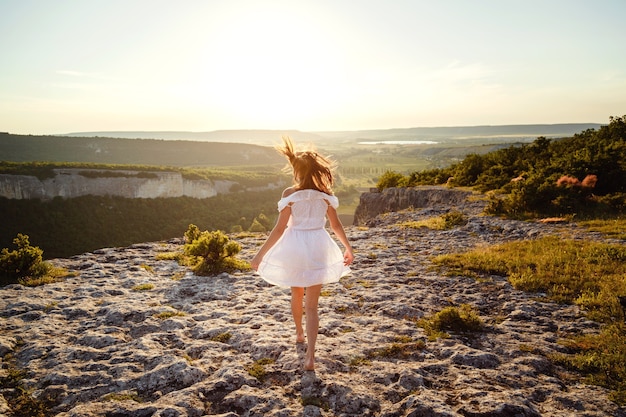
{"points": [[305, 254]]}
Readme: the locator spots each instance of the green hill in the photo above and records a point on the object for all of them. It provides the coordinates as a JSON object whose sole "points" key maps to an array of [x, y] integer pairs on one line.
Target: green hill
{"points": [[25, 148]]}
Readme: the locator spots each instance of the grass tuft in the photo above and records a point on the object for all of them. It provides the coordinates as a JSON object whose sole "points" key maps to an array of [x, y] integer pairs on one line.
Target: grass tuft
{"points": [[143, 287], [222, 337], [123, 396], [164, 315], [462, 319], [444, 222]]}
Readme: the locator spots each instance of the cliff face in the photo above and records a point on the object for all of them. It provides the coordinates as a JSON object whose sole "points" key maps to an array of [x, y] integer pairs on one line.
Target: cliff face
{"points": [[70, 183], [372, 204]]}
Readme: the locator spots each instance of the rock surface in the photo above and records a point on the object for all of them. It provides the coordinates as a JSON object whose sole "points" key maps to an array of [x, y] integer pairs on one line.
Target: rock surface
{"points": [[185, 345], [372, 204]]}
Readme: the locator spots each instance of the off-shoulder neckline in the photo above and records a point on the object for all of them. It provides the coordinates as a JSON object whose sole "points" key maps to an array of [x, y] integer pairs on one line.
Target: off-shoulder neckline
{"points": [[331, 199]]}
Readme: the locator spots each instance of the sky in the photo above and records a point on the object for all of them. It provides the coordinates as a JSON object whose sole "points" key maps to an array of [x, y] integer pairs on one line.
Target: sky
{"points": [[310, 65]]}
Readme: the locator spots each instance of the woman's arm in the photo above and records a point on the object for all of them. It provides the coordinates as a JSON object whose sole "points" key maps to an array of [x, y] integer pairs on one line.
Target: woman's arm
{"points": [[277, 231], [337, 228], [275, 234]]}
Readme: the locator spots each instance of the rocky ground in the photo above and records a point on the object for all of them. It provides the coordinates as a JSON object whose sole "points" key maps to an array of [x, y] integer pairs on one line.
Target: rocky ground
{"points": [[104, 344]]}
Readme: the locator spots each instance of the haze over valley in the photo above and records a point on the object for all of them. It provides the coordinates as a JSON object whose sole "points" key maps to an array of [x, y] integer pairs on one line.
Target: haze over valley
{"points": [[450, 134]]}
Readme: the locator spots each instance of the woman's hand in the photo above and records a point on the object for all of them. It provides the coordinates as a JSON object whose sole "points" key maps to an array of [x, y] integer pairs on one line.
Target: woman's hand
{"points": [[348, 257], [255, 262]]}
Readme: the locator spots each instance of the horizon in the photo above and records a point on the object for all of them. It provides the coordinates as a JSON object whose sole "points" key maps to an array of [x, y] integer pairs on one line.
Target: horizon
{"points": [[308, 131], [315, 66]]}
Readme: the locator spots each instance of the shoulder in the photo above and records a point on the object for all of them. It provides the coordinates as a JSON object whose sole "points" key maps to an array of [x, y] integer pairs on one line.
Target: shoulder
{"points": [[288, 191]]}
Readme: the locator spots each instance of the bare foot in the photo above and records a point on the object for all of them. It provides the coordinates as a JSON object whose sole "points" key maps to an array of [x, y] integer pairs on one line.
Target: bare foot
{"points": [[299, 337], [309, 363]]}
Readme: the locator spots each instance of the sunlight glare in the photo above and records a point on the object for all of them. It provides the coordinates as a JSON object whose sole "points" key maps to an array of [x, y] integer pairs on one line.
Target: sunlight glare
{"points": [[275, 68]]}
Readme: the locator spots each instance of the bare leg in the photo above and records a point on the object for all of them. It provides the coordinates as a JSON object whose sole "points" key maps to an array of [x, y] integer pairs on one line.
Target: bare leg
{"points": [[297, 295], [312, 324]]}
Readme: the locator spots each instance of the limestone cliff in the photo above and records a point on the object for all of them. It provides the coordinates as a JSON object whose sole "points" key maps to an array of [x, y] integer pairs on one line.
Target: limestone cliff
{"points": [[372, 204], [70, 183]]}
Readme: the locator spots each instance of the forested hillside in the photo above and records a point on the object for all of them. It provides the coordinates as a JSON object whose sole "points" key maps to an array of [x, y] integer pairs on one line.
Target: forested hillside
{"points": [[583, 175], [66, 227]]}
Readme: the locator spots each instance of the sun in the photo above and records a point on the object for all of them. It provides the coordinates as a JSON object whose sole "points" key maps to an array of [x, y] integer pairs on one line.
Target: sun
{"points": [[269, 67]]}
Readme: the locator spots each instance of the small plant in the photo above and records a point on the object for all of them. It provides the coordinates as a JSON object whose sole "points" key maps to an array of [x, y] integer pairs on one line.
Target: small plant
{"points": [[403, 339], [20, 399], [123, 396], [178, 276], [26, 265], [315, 401], [257, 369], [147, 268], [357, 361], [222, 337], [168, 256], [397, 350], [143, 287], [365, 283], [444, 222], [164, 315], [453, 219], [50, 306], [210, 253], [458, 319]]}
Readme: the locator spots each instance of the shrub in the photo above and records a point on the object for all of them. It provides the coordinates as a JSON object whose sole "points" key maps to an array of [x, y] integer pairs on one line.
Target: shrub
{"points": [[256, 226], [459, 319], [24, 262], [391, 179], [210, 253], [453, 219]]}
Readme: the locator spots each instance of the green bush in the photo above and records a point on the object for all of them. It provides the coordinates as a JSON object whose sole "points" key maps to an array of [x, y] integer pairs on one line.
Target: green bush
{"points": [[210, 253], [25, 261], [391, 179]]}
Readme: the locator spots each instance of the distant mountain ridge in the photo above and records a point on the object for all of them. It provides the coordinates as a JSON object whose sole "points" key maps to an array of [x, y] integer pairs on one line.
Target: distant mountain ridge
{"points": [[258, 137], [270, 137]]}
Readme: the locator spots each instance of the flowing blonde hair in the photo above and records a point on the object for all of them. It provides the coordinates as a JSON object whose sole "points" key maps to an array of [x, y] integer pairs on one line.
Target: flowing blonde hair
{"points": [[310, 169]]}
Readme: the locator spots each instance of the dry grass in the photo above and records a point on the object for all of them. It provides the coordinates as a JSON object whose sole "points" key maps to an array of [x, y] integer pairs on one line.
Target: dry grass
{"points": [[587, 273]]}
